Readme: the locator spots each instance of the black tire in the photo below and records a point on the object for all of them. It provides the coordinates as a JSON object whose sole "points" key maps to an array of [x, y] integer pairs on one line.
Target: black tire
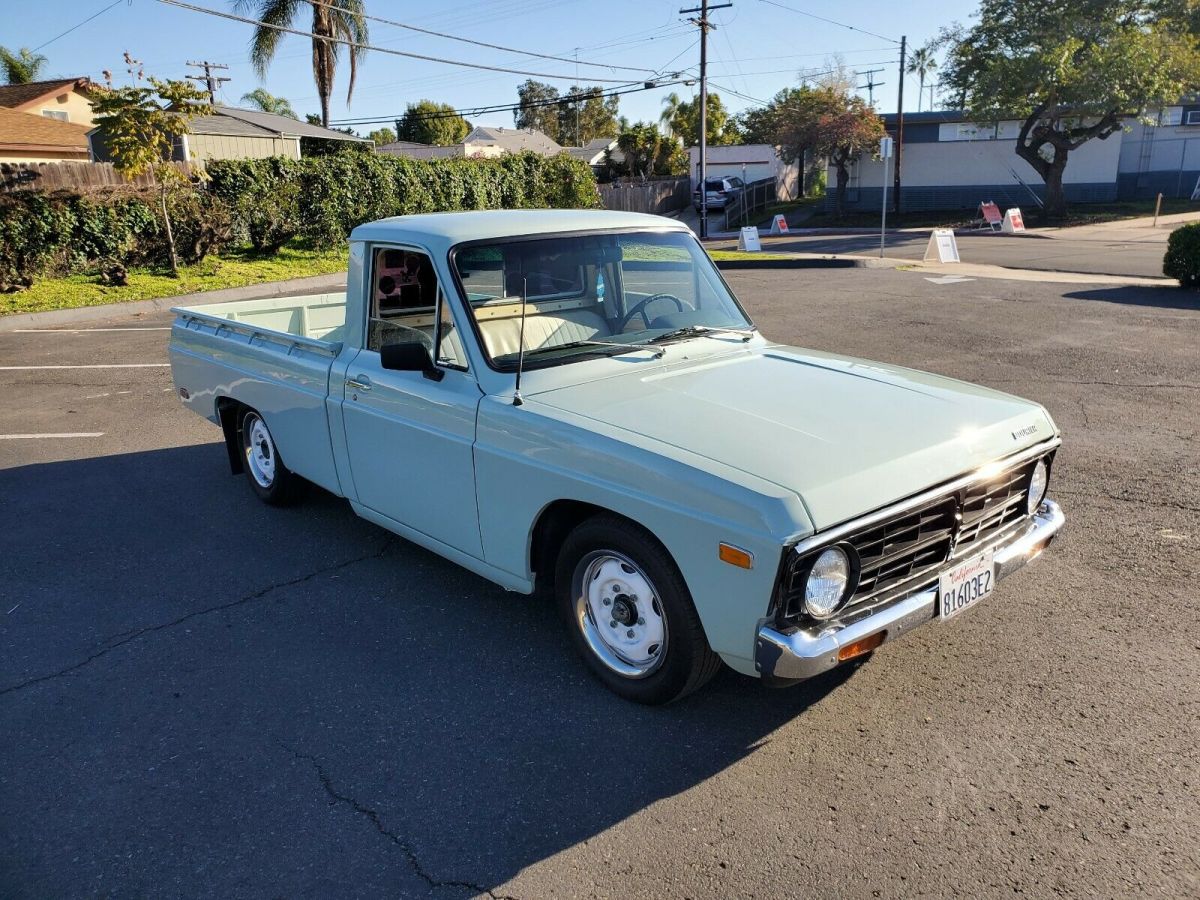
{"points": [[274, 482], [686, 662]]}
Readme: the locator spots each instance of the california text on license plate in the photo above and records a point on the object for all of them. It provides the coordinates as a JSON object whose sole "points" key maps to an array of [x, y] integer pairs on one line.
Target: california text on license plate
{"points": [[965, 585]]}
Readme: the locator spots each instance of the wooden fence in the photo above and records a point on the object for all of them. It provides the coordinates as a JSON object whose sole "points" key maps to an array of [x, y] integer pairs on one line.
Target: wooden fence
{"points": [[69, 176], [661, 196]]}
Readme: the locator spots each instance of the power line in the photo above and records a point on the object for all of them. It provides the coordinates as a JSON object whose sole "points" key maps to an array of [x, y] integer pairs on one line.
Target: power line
{"points": [[630, 88], [80, 25], [211, 81], [452, 37], [360, 46], [801, 12]]}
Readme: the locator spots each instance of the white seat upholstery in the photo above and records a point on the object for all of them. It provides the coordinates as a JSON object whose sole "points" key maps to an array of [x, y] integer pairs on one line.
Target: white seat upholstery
{"points": [[502, 336]]}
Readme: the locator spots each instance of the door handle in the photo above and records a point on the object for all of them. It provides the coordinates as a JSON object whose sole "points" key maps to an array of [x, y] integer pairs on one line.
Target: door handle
{"points": [[359, 383]]}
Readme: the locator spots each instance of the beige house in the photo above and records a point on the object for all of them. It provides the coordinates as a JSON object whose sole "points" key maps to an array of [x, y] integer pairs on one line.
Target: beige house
{"points": [[64, 100], [482, 143], [26, 138], [234, 133]]}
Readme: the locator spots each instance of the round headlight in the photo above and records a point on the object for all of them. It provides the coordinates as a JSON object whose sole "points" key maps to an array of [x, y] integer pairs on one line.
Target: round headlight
{"points": [[827, 583], [1037, 487]]}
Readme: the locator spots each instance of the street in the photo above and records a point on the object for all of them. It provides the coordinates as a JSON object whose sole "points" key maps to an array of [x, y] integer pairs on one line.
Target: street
{"points": [[204, 696]]}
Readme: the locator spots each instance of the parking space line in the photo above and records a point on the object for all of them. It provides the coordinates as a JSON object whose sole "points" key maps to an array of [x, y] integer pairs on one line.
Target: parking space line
{"points": [[108, 366], [34, 437], [83, 330]]}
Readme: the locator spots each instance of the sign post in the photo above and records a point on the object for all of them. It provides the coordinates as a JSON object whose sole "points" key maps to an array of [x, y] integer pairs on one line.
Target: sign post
{"points": [[885, 153], [1013, 222]]}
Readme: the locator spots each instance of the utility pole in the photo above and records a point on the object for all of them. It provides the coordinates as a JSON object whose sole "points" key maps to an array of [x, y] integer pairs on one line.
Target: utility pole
{"points": [[871, 84], [704, 25], [212, 81], [900, 125]]}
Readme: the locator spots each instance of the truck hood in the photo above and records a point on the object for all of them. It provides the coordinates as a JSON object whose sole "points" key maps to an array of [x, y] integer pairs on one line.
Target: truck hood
{"points": [[847, 436]]}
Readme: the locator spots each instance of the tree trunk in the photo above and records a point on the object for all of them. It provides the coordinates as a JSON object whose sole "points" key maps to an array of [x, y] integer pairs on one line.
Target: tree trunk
{"points": [[843, 181], [162, 197], [1056, 198]]}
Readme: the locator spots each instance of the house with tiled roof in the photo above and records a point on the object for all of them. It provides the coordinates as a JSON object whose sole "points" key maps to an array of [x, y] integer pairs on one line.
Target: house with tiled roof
{"points": [[62, 99], [482, 142], [28, 138]]}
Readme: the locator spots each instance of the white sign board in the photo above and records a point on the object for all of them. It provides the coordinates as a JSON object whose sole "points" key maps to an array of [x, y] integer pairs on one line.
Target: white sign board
{"points": [[885, 147], [1013, 222], [748, 239], [779, 224], [942, 246]]}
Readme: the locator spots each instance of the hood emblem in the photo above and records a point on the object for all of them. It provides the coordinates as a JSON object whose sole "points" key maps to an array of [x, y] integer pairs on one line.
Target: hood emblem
{"points": [[1024, 432]]}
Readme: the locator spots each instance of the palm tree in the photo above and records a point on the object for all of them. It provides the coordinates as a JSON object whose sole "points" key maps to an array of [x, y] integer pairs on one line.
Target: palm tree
{"points": [[21, 67], [259, 98], [346, 22], [667, 119], [922, 63]]}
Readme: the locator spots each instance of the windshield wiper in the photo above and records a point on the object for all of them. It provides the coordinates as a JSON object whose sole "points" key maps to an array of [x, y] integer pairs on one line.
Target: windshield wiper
{"points": [[699, 330], [657, 351]]}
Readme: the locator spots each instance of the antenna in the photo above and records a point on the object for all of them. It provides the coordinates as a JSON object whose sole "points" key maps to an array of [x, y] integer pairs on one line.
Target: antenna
{"points": [[517, 401]]}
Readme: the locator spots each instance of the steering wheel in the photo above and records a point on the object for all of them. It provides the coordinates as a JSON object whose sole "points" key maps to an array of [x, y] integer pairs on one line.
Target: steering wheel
{"points": [[639, 308]]}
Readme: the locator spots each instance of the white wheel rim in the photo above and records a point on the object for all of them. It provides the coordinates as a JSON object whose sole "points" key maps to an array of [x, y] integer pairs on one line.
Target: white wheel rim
{"points": [[260, 451], [620, 614]]}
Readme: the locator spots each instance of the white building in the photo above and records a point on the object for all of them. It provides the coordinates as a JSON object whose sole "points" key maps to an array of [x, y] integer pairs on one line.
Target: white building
{"points": [[749, 162]]}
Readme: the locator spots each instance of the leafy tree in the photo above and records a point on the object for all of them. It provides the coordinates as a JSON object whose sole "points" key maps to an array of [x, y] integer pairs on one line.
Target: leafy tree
{"points": [[538, 108], [382, 136], [259, 98], [585, 114], [1070, 71], [671, 104], [22, 66], [757, 125], [647, 151], [427, 122], [830, 122], [139, 127], [343, 20], [684, 122], [922, 63]]}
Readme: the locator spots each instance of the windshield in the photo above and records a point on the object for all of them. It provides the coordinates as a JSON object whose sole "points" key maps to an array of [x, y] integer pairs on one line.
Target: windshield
{"points": [[592, 294]]}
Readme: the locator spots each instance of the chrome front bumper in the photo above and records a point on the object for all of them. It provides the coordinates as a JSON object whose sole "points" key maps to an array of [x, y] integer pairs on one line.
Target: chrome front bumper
{"points": [[804, 652]]}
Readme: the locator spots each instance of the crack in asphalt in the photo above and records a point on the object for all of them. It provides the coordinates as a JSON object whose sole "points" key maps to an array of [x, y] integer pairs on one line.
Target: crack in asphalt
{"points": [[376, 820], [120, 640]]}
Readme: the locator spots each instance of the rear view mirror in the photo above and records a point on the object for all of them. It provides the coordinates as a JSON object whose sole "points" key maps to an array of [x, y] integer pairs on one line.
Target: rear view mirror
{"points": [[409, 356]]}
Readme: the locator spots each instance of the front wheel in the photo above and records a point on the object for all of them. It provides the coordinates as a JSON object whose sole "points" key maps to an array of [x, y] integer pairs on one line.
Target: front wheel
{"points": [[274, 482], [630, 614]]}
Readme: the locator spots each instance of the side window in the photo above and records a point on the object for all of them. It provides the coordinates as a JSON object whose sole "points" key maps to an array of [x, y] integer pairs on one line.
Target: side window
{"points": [[408, 306]]}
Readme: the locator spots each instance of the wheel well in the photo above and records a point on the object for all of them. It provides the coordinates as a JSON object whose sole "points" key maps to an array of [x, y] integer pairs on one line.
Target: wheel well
{"points": [[229, 413]]}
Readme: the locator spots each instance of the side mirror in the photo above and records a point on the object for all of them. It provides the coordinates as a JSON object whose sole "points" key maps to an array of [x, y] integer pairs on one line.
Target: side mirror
{"points": [[409, 357]]}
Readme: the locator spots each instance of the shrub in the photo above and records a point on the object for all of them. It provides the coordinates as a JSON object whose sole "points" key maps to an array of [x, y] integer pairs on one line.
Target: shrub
{"points": [[1183, 256], [263, 199]]}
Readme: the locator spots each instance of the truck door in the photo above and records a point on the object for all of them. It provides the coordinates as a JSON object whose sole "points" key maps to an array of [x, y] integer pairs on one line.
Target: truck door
{"points": [[409, 437]]}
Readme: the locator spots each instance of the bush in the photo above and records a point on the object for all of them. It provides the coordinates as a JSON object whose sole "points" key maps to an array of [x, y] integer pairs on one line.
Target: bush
{"points": [[266, 203], [1183, 256]]}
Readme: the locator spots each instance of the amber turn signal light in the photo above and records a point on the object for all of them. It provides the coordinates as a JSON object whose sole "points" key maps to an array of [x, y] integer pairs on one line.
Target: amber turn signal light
{"points": [[859, 647], [735, 556]]}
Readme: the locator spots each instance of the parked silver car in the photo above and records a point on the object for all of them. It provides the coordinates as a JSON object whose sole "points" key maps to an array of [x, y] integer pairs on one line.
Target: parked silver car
{"points": [[720, 191]]}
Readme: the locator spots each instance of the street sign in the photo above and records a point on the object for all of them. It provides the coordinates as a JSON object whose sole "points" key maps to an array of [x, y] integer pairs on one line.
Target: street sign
{"points": [[748, 239], [779, 224], [942, 246], [1013, 223], [990, 214], [885, 147]]}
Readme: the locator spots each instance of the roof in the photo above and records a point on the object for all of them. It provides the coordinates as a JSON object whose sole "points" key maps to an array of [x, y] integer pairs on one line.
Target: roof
{"points": [[268, 122], [33, 132], [593, 151], [14, 96], [936, 117], [514, 140], [440, 231]]}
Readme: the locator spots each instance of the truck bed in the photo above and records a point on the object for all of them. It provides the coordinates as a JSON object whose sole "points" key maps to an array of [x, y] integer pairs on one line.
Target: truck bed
{"points": [[273, 355]]}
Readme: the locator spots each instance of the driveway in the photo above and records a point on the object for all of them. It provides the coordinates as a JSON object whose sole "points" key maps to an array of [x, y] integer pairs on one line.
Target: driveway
{"points": [[204, 696]]}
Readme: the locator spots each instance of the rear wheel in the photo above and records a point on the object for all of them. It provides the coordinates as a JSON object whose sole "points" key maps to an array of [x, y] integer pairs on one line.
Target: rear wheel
{"points": [[274, 482], [629, 613]]}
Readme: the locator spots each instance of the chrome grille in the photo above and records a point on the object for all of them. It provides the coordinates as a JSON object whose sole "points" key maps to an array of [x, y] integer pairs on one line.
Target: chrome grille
{"points": [[919, 542]]}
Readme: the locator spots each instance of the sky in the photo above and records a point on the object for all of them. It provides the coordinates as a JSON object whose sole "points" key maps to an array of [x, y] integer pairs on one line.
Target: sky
{"points": [[757, 48]]}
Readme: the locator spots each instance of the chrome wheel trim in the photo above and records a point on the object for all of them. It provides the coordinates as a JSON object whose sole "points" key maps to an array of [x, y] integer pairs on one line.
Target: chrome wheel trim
{"points": [[628, 633], [259, 450]]}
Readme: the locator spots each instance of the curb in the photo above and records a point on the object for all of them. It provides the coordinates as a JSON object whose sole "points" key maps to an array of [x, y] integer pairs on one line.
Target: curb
{"points": [[829, 262], [263, 291]]}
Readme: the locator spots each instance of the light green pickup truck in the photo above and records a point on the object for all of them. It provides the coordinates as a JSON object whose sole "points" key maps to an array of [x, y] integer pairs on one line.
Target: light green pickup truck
{"points": [[576, 403]]}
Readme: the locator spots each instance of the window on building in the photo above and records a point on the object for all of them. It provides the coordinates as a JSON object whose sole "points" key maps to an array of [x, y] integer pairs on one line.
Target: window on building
{"points": [[59, 114]]}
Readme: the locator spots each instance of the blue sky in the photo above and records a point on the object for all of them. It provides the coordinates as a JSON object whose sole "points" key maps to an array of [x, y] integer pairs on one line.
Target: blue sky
{"points": [[757, 48]]}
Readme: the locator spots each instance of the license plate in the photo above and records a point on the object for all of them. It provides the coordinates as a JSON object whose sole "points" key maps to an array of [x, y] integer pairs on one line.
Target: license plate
{"points": [[965, 585]]}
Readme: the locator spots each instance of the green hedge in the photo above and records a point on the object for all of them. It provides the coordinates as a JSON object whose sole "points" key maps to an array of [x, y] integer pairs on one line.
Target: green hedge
{"points": [[264, 203], [1183, 256]]}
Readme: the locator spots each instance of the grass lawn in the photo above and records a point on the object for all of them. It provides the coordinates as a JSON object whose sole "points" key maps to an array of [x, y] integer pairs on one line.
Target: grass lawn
{"points": [[231, 269], [730, 255]]}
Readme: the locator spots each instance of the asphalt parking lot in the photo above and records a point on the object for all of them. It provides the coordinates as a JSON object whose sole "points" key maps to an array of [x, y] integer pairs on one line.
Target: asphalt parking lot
{"points": [[204, 696]]}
